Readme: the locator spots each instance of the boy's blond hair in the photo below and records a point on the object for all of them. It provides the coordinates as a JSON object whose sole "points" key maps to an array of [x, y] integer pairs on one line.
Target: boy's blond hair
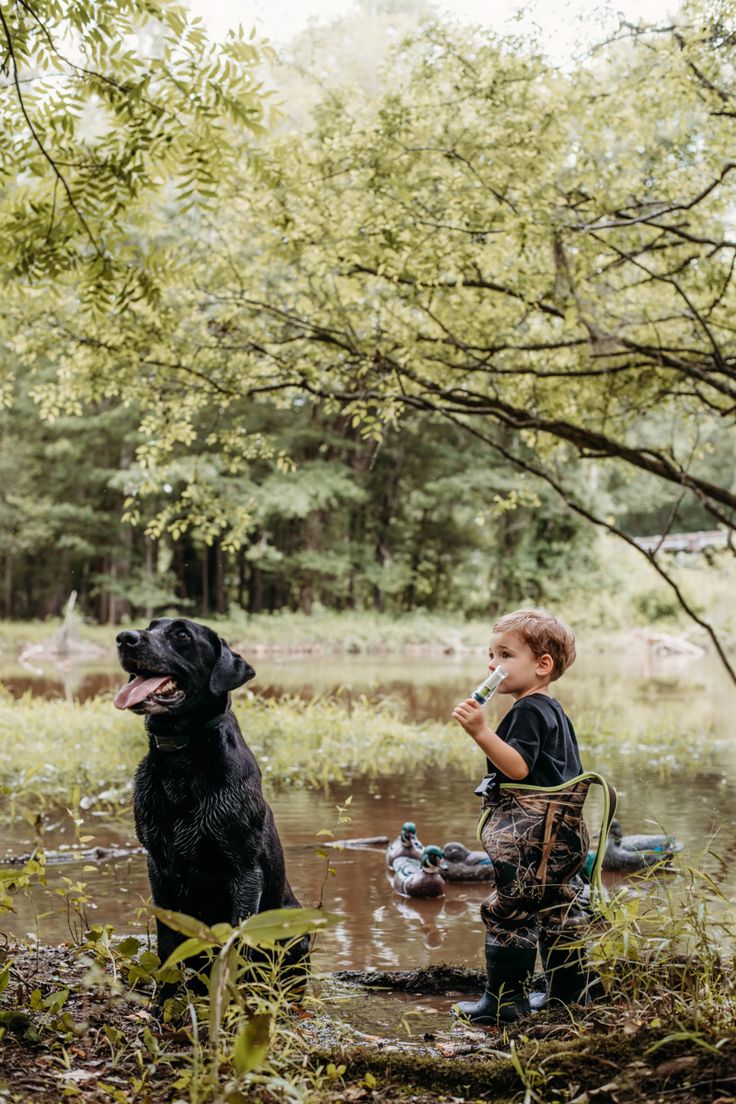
{"points": [[544, 634]]}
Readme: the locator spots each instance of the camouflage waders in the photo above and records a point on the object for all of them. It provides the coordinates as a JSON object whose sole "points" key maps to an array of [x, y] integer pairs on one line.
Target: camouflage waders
{"points": [[537, 841]]}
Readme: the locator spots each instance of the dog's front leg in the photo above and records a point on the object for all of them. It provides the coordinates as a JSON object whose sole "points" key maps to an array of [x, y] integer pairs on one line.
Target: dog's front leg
{"points": [[247, 891], [166, 894]]}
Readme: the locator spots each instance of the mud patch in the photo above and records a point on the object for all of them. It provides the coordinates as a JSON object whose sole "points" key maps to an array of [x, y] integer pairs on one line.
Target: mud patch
{"points": [[442, 981]]}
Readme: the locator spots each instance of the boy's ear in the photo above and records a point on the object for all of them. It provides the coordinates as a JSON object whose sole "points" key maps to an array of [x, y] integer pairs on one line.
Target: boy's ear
{"points": [[545, 664]]}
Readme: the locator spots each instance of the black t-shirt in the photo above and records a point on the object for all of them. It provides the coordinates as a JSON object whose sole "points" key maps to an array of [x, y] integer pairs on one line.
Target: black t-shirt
{"points": [[538, 728]]}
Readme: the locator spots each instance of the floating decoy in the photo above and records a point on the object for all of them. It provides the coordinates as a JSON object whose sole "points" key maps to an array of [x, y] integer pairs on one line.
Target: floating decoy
{"points": [[423, 877], [631, 853], [405, 846], [466, 866], [666, 845]]}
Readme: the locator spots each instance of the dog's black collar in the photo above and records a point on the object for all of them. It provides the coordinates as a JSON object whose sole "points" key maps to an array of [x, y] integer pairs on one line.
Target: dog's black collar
{"points": [[178, 741], [175, 741]]}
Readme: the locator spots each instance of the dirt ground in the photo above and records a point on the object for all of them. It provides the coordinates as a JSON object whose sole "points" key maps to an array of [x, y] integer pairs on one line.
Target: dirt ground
{"points": [[104, 1044]]}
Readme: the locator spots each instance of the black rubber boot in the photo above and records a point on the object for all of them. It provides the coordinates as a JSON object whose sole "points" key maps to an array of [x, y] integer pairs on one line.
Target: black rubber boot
{"points": [[504, 998], [567, 975]]}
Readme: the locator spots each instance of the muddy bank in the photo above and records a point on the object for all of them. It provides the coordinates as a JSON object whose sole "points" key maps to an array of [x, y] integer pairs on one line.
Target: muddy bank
{"points": [[442, 980], [582, 1068], [67, 1030]]}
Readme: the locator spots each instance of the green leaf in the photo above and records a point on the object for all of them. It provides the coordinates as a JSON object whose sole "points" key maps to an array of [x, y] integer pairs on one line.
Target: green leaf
{"points": [[114, 1034], [168, 975], [55, 1001], [187, 949], [250, 1049], [149, 961], [136, 973], [267, 928], [223, 931], [218, 989], [128, 947], [188, 925]]}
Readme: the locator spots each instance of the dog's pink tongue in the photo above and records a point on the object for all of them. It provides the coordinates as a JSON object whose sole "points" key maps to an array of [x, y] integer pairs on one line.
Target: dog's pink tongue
{"points": [[137, 689]]}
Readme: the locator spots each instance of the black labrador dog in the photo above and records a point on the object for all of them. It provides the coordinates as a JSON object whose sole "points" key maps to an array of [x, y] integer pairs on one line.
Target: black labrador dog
{"points": [[213, 849]]}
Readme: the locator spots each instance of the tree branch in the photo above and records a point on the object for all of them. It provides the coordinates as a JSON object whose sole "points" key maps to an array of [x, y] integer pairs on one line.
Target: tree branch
{"points": [[29, 123]]}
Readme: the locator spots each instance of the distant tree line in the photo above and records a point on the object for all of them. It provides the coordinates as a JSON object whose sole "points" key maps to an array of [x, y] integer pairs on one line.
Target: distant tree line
{"points": [[412, 520], [415, 519]]}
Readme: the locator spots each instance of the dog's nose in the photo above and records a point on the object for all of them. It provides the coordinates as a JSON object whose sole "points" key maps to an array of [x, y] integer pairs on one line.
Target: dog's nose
{"points": [[131, 638]]}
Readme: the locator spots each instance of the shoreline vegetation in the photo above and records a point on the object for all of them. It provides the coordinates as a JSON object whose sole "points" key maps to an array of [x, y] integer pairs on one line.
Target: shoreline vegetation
{"points": [[345, 633], [623, 595], [316, 743]]}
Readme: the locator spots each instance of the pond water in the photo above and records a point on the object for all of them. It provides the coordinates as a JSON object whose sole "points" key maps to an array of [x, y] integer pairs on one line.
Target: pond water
{"points": [[689, 791]]}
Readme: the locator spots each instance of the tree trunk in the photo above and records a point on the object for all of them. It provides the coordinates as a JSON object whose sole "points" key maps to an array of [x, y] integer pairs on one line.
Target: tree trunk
{"points": [[220, 591], [8, 586], [149, 568], [102, 598], [205, 605], [112, 604], [241, 579], [255, 589], [311, 543]]}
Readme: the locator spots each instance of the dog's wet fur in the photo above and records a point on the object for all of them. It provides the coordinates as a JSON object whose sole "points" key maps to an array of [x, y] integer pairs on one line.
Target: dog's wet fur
{"points": [[213, 849]]}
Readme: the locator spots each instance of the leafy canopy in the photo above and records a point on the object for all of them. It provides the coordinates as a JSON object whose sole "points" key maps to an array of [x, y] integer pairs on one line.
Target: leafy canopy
{"points": [[114, 114]]}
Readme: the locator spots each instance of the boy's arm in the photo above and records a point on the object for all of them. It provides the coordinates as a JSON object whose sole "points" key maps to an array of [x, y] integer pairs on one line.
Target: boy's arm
{"points": [[508, 760]]}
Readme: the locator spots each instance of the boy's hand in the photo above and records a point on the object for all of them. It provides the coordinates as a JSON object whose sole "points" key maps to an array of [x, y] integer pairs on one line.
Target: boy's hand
{"points": [[469, 714]]}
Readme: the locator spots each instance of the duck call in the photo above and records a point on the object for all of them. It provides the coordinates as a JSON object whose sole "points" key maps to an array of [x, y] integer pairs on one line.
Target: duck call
{"points": [[489, 685]]}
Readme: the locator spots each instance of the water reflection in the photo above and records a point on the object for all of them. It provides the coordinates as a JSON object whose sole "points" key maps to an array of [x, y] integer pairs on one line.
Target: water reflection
{"points": [[381, 930], [609, 687]]}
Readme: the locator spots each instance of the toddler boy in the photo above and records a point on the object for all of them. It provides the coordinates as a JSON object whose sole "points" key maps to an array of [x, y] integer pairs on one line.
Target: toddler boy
{"points": [[536, 840]]}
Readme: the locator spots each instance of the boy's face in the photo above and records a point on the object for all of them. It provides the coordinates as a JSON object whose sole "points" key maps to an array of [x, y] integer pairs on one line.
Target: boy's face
{"points": [[526, 671]]}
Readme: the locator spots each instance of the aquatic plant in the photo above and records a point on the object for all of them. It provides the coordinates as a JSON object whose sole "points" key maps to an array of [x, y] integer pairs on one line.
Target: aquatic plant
{"points": [[49, 747], [84, 755]]}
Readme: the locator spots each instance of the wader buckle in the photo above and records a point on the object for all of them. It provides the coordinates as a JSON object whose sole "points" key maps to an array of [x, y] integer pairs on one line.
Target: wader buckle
{"points": [[489, 788]]}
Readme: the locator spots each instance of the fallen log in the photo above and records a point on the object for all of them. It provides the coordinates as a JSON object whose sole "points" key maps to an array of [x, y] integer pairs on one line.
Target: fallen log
{"points": [[365, 843], [73, 854], [429, 980]]}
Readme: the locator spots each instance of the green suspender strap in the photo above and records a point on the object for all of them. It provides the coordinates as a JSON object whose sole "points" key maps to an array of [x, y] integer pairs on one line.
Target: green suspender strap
{"points": [[610, 800]]}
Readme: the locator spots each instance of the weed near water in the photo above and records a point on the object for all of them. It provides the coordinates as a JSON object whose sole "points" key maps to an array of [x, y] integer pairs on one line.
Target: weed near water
{"points": [[52, 751], [84, 755]]}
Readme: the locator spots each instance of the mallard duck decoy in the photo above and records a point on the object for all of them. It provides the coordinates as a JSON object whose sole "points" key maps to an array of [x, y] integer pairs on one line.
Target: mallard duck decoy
{"points": [[405, 846], [421, 878], [466, 866], [631, 853], [665, 845]]}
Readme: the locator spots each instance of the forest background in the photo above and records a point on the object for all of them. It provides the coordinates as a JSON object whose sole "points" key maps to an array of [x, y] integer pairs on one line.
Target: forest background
{"points": [[404, 317]]}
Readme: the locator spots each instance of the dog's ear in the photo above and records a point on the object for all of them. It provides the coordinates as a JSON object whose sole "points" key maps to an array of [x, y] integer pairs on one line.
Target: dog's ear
{"points": [[230, 671]]}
